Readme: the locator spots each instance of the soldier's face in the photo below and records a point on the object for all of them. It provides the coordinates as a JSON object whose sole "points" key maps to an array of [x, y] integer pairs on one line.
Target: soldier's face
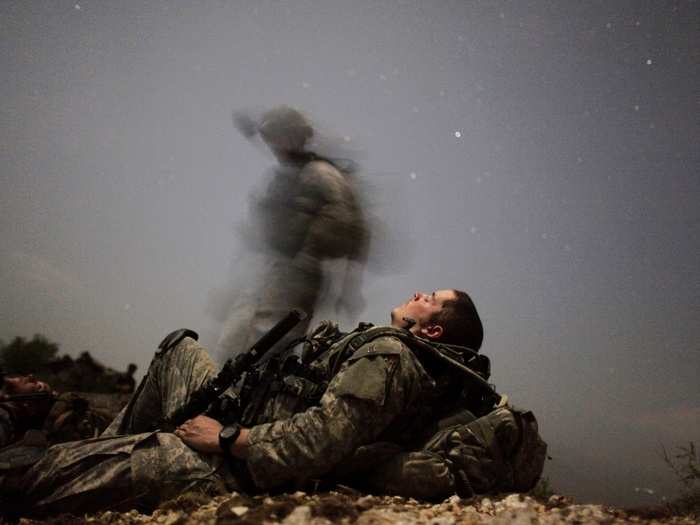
{"points": [[421, 307], [25, 385]]}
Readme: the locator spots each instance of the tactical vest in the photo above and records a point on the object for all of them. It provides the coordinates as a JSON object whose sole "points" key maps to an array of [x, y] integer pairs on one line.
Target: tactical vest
{"points": [[287, 384], [486, 445]]}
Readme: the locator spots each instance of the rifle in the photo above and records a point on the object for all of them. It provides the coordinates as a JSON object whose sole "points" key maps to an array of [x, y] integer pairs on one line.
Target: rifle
{"points": [[35, 396], [209, 399]]}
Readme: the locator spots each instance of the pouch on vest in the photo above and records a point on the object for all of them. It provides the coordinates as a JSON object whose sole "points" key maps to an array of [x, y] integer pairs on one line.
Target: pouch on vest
{"points": [[369, 371]]}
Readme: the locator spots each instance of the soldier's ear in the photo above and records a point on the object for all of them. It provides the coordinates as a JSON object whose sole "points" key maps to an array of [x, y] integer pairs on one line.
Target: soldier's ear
{"points": [[432, 331]]}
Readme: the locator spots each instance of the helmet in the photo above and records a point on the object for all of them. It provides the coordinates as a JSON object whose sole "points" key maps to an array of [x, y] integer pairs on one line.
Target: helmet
{"points": [[285, 129]]}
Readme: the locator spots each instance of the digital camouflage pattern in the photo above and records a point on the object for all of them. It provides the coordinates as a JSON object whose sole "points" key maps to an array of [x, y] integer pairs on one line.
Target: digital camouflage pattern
{"points": [[131, 464], [7, 426], [65, 418], [72, 418], [373, 397], [362, 432], [16, 417]]}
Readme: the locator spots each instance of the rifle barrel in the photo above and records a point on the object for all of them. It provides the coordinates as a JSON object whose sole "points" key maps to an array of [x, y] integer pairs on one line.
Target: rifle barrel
{"points": [[231, 372], [36, 396]]}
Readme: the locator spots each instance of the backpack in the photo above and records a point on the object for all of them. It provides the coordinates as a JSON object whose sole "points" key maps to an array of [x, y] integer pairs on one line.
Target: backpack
{"points": [[499, 452]]}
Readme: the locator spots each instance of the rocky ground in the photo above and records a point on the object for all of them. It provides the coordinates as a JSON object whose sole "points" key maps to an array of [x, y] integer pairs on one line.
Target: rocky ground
{"points": [[351, 508]]}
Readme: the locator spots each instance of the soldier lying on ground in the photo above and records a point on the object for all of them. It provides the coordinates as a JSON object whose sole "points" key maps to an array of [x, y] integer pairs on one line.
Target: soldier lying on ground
{"points": [[369, 412], [16, 417], [59, 417]]}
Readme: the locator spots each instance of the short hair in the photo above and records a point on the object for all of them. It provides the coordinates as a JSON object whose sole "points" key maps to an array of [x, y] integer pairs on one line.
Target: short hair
{"points": [[460, 322]]}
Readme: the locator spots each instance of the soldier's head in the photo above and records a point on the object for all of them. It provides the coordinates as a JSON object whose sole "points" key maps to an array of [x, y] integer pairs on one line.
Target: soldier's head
{"points": [[285, 130], [33, 412], [19, 384], [447, 316]]}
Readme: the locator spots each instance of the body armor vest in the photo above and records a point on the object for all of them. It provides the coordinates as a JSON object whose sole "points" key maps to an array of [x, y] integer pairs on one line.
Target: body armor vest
{"points": [[287, 384]]}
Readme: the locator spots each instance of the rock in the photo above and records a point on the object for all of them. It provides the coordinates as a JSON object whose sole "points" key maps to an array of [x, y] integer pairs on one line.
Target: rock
{"points": [[454, 499], [299, 516], [486, 505], [239, 511], [557, 500]]}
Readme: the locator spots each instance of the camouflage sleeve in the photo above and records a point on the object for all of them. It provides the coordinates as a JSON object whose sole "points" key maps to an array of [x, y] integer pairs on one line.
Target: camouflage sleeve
{"points": [[337, 228], [378, 384], [7, 430], [323, 182]]}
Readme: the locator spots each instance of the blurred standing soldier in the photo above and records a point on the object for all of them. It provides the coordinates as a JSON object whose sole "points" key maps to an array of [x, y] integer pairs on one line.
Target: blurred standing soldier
{"points": [[309, 213]]}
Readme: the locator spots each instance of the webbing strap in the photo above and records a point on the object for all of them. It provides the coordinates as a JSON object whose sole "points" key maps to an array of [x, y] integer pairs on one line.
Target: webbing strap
{"points": [[415, 342]]}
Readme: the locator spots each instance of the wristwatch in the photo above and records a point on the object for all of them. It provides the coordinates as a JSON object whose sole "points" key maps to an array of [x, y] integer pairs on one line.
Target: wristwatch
{"points": [[227, 437]]}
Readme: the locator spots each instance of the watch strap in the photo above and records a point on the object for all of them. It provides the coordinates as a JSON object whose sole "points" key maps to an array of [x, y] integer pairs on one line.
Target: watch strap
{"points": [[227, 437]]}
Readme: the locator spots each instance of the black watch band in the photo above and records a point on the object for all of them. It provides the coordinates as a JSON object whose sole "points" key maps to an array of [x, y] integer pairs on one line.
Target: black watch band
{"points": [[227, 437]]}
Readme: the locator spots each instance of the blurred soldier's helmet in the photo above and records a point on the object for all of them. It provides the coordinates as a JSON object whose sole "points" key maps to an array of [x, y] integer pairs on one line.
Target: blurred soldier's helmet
{"points": [[285, 129]]}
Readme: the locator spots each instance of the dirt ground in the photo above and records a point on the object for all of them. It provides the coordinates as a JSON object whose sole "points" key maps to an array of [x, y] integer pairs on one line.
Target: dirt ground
{"points": [[349, 507]]}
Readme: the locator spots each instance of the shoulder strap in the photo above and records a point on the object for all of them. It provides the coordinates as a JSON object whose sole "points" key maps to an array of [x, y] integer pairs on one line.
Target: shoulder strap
{"points": [[447, 354]]}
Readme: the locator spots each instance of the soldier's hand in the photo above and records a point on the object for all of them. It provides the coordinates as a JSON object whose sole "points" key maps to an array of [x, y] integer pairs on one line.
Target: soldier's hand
{"points": [[201, 433], [245, 124]]}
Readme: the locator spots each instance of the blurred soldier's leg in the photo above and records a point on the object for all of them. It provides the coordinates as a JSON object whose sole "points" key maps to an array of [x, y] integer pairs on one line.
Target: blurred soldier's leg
{"points": [[290, 283], [171, 379]]}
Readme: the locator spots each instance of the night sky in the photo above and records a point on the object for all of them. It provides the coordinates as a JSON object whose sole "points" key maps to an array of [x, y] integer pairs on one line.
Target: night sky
{"points": [[542, 156]]}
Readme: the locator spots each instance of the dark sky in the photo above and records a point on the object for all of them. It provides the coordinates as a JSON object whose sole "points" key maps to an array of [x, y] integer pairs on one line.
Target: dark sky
{"points": [[541, 155]]}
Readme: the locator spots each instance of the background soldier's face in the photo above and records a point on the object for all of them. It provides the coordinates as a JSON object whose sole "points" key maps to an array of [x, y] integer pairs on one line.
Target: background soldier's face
{"points": [[25, 385]]}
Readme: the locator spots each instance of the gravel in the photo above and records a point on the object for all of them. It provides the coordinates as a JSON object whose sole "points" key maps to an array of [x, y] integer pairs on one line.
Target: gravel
{"points": [[349, 508]]}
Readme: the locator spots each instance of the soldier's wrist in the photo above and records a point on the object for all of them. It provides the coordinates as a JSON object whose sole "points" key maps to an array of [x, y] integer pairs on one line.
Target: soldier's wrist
{"points": [[233, 441], [227, 437], [240, 447]]}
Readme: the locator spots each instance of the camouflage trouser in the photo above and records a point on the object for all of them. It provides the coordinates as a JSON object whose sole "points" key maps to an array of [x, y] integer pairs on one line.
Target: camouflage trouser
{"points": [[132, 464]]}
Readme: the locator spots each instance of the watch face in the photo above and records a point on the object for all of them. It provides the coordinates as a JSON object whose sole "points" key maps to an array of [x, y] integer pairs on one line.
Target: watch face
{"points": [[230, 432]]}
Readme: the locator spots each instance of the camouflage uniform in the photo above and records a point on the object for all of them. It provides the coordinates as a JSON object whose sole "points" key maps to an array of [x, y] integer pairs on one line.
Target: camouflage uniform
{"points": [[131, 464], [372, 396], [375, 395], [17, 417], [28, 428], [367, 430], [7, 426], [67, 417]]}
